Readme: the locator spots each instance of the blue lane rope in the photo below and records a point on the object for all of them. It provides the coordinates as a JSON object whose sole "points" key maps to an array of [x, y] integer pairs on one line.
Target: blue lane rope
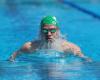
{"points": [[71, 4]]}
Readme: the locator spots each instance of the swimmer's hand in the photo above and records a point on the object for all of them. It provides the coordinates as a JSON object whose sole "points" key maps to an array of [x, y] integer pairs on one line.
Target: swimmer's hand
{"points": [[87, 59], [11, 59]]}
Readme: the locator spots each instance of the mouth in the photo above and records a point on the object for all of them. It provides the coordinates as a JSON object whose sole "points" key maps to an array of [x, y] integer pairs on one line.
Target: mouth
{"points": [[48, 38]]}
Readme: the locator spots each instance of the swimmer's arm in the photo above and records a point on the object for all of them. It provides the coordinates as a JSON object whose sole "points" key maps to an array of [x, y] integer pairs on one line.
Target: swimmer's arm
{"points": [[77, 51], [14, 55], [70, 47], [82, 56], [24, 49]]}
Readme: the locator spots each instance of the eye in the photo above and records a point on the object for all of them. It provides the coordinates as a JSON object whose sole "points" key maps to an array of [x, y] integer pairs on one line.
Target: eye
{"points": [[53, 30], [45, 31]]}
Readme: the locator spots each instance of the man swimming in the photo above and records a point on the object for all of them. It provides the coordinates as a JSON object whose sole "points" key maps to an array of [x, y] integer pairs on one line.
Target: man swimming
{"points": [[50, 38]]}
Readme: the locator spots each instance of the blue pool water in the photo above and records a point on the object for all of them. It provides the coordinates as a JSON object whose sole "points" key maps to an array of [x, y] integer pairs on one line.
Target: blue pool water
{"points": [[19, 23]]}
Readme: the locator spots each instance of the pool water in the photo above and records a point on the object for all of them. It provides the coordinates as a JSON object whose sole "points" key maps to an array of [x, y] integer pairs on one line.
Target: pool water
{"points": [[20, 22], [44, 66]]}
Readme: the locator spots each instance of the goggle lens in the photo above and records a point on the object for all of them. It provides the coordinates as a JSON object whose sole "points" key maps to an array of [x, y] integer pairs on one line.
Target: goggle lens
{"points": [[46, 30]]}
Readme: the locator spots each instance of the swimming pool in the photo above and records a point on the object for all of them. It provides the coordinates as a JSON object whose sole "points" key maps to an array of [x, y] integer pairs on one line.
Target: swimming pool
{"points": [[20, 23]]}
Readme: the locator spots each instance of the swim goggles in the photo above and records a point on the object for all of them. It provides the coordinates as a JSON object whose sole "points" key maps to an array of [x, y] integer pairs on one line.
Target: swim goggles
{"points": [[49, 30]]}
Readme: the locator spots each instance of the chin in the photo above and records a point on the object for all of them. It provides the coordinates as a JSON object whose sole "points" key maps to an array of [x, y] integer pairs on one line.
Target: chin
{"points": [[50, 40]]}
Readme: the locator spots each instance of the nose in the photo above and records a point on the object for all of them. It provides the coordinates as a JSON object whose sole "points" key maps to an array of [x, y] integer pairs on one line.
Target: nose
{"points": [[49, 33]]}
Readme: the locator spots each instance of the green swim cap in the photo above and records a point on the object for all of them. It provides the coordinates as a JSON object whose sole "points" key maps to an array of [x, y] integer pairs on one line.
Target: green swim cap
{"points": [[50, 20]]}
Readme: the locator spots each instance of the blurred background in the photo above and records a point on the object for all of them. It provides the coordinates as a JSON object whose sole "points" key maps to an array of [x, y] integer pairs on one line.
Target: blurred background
{"points": [[79, 20]]}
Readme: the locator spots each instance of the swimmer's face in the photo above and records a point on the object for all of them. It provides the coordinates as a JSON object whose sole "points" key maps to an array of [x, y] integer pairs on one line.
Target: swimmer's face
{"points": [[49, 32]]}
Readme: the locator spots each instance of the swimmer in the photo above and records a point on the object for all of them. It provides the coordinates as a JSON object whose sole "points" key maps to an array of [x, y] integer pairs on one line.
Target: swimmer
{"points": [[50, 38]]}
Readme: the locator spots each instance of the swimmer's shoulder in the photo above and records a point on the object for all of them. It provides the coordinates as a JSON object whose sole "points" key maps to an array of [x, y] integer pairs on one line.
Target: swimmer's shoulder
{"points": [[30, 44], [66, 43], [36, 42], [69, 45], [26, 46]]}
